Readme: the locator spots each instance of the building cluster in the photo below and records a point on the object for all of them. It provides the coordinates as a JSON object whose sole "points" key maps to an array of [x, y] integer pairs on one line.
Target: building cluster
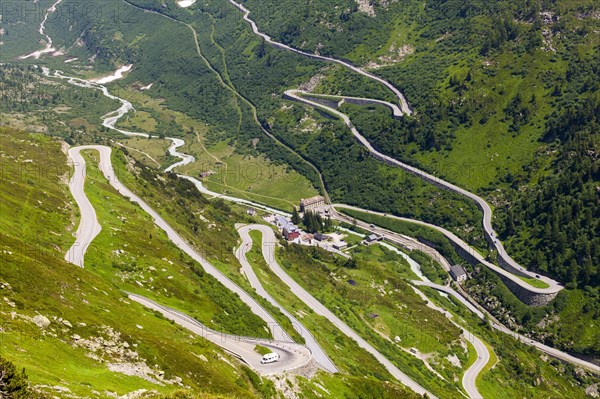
{"points": [[332, 242], [295, 234], [289, 230]]}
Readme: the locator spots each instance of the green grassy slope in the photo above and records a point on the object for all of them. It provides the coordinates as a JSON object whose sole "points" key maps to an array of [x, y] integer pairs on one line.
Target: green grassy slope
{"points": [[70, 327], [138, 257], [519, 372], [495, 86], [345, 353]]}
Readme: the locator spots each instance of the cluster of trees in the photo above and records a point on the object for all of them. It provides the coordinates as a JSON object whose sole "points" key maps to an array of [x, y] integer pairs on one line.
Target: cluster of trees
{"points": [[560, 217], [14, 384], [109, 50], [314, 223], [519, 111], [22, 91], [501, 31], [16, 84]]}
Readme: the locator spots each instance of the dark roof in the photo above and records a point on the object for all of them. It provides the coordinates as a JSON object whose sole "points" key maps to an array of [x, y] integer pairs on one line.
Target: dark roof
{"points": [[290, 227], [458, 270]]}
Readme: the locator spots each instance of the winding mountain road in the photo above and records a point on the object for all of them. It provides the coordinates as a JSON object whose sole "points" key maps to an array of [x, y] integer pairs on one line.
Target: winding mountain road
{"points": [[554, 286], [112, 118], [481, 313], [85, 234], [291, 356], [269, 242], [413, 244], [403, 103], [507, 261], [246, 245], [90, 228]]}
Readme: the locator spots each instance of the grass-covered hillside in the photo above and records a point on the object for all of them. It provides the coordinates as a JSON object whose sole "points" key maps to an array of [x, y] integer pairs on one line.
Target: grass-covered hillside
{"points": [[506, 104], [73, 329], [371, 294]]}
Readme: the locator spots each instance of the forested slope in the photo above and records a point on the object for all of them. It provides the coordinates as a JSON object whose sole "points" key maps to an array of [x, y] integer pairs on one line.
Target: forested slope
{"points": [[506, 100]]}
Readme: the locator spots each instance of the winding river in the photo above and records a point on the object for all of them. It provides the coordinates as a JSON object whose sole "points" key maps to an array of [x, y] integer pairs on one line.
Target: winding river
{"points": [[110, 120]]}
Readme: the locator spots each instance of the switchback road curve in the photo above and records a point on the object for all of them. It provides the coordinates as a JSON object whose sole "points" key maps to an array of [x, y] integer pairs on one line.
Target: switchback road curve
{"points": [[553, 286], [268, 250], [246, 245], [509, 263], [291, 355], [85, 234], [506, 261], [403, 103], [413, 244]]}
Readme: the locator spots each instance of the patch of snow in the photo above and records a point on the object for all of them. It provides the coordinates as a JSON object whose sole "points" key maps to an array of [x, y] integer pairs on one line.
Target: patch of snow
{"points": [[185, 3], [118, 74]]}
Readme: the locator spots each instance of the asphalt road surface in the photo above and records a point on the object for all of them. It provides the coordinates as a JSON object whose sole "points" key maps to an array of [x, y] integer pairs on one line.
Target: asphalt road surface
{"points": [[311, 343], [291, 355], [89, 229], [402, 101], [268, 248], [554, 286], [527, 341]]}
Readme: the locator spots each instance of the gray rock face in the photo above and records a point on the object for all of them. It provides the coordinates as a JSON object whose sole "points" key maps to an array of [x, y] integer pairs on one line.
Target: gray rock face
{"points": [[41, 321]]}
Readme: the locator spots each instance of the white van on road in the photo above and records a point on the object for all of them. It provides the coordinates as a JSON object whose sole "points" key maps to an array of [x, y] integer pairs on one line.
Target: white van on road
{"points": [[270, 358]]}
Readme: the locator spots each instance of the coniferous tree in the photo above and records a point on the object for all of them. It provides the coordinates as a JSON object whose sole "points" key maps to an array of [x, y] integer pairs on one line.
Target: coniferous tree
{"points": [[295, 216]]}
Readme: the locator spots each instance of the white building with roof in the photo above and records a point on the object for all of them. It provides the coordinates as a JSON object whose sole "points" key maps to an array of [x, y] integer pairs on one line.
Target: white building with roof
{"points": [[458, 273], [312, 203]]}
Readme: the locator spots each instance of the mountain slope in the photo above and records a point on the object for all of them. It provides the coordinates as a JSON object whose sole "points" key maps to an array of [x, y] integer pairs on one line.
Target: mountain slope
{"points": [[57, 313]]}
